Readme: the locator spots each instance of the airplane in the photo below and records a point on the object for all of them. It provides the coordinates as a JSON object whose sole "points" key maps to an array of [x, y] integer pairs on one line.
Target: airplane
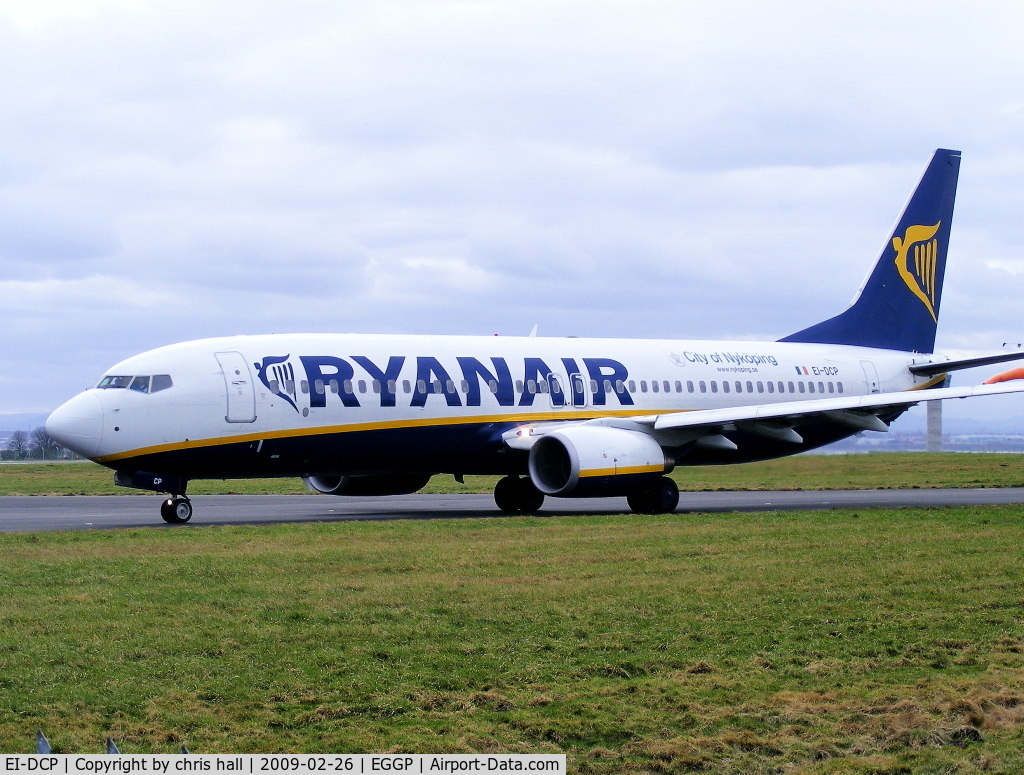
{"points": [[359, 415]]}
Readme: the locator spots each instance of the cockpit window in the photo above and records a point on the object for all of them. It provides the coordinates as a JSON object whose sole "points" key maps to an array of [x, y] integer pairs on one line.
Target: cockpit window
{"points": [[115, 382], [144, 384]]}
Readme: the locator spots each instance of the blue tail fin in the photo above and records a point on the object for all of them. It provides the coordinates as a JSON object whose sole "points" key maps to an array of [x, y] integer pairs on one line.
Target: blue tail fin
{"points": [[897, 308]]}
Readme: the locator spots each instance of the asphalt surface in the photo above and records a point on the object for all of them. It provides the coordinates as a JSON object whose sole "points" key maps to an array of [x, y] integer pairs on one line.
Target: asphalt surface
{"points": [[84, 512]]}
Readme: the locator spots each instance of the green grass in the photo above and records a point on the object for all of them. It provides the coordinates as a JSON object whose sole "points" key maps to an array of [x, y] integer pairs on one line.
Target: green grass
{"points": [[879, 641], [804, 472]]}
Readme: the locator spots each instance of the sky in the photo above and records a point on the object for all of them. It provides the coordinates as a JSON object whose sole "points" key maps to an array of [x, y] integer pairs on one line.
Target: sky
{"points": [[176, 170]]}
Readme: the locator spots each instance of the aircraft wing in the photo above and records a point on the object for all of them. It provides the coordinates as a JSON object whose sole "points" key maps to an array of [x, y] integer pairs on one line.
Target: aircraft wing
{"points": [[777, 421], [849, 409]]}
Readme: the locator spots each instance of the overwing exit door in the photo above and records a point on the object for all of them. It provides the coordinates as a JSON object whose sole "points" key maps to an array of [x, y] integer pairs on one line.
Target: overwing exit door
{"points": [[241, 395]]}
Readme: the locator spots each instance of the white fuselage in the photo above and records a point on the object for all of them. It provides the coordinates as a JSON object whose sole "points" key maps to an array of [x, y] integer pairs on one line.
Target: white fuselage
{"points": [[348, 403]]}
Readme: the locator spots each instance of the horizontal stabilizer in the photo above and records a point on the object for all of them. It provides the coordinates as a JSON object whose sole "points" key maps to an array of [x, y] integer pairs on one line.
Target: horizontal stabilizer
{"points": [[941, 367]]}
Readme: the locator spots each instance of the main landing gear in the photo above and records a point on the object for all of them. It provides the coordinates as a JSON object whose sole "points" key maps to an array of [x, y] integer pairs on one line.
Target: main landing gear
{"points": [[517, 496], [177, 510], [662, 498]]}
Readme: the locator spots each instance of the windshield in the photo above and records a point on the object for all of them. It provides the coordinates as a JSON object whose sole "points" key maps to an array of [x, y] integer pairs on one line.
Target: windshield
{"points": [[114, 382], [142, 384]]}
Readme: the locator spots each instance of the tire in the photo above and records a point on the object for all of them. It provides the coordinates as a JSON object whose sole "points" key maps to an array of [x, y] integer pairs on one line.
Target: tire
{"points": [[513, 495], [639, 502], [506, 495], [176, 511], [662, 498], [530, 498]]}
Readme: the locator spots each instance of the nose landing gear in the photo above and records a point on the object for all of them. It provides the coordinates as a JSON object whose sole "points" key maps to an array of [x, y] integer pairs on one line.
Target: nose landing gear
{"points": [[176, 510]]}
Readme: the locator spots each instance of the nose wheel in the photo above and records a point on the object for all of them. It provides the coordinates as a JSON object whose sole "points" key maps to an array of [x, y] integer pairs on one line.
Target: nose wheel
{"points": [[176, 510]]}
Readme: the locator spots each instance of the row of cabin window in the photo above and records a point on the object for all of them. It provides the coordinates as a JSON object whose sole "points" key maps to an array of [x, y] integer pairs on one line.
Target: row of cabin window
{"points": [[794, 387], [541, 386]]}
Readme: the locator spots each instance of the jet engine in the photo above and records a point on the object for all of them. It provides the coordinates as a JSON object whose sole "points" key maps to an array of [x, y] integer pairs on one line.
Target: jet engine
{"points": [[595, 460], [377, 484]]}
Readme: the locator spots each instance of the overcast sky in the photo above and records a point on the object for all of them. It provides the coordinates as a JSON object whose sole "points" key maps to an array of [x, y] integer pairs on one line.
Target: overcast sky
{"points": [[175, 170]]}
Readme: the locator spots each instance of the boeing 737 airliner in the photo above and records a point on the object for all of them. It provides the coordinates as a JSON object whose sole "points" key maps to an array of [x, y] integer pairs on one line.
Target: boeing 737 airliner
{"points": [[379, 415]]}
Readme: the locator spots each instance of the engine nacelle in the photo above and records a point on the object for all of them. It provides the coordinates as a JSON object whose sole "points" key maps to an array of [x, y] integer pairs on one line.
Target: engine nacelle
{"points": [[376, 484], [595, 460]]}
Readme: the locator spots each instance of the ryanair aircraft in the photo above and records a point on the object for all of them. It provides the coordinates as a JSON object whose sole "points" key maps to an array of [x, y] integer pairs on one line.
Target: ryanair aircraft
{"points": [[379, 415]]}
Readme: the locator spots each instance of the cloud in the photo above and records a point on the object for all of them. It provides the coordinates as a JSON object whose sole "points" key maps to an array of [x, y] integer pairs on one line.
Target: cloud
{"points": [[176, 170]]}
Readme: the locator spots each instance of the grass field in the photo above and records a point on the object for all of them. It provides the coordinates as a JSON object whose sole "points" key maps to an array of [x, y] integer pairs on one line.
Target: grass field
{"points": [[804, 472], [875, 641]]}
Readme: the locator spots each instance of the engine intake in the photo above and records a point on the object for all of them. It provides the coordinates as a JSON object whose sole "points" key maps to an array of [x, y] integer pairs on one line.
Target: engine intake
{"points": [[376, 484], [594, 460]]}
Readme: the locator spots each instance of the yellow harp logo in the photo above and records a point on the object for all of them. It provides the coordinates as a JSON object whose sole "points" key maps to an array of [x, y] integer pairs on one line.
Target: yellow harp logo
{"points": [[921, 279]]}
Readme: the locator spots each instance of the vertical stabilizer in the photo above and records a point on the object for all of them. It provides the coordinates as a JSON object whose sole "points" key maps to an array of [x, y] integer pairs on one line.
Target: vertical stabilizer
{"points": [[897, 308]]}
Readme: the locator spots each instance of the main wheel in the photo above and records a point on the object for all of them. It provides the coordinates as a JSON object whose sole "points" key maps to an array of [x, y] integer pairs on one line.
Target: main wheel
{"points": [[662, 498], [517, 496], [177, 510]]}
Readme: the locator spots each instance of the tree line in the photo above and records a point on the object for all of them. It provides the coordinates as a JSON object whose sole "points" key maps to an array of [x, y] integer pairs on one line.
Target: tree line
{"points": [[37, 445]]}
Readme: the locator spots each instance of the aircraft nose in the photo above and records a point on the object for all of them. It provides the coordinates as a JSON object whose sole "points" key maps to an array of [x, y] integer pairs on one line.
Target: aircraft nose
{"points": [[78, 424]]}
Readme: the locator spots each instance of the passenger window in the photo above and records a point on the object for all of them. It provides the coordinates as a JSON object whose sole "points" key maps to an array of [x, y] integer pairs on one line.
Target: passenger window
{"points": [[421, 386], [831, 388], [465, 386], [348, 386], [739, 386], [304, 386], [792, 387], [275, 386], [376, 386], [821, 387], [519, 386], [334, 386], [714, 386], [760, 387], [654, 386], [839, 386], [556, 386], [392, 386], [450, 385], [435, 386], [725, 386], [679, 387], [531, 386], [689, 386], [492, 385], [771, 387], [318, 386], [140, 384], [810, 386], [800, 385], [632, 386], [703, 387], [406, 386], [593, 386], [750, 387], [362, 386], [666, 387], [619, 386], [543, 385], [643, 386]]}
